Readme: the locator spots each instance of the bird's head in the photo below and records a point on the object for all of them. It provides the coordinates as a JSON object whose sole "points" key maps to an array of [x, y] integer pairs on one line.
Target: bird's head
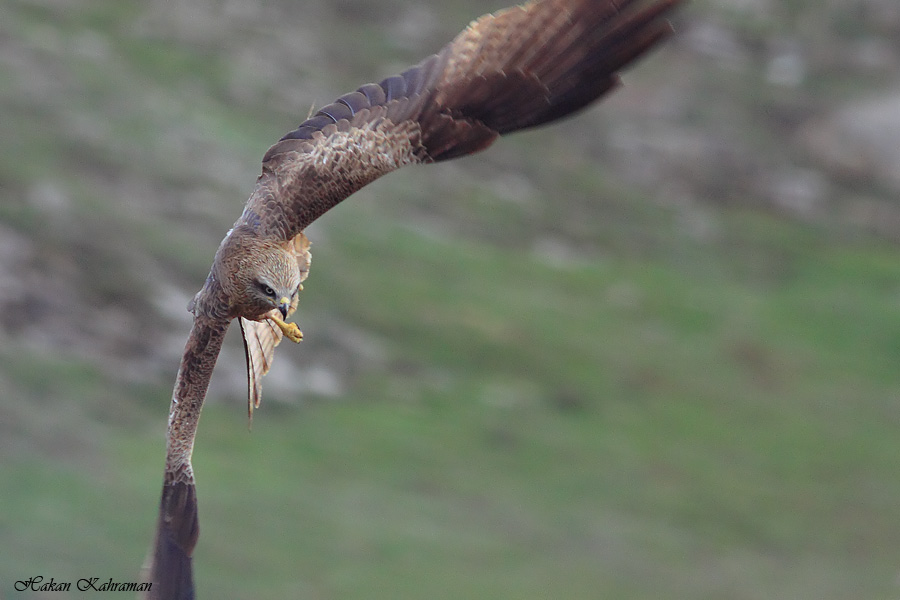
{"points": [[273, 283], [258, 275]]}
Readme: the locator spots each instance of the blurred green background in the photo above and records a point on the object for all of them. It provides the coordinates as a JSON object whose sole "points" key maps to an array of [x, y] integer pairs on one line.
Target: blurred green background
{"points": [[648, 353]]}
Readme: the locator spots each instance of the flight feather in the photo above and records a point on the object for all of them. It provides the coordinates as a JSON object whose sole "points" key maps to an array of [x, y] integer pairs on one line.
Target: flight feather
{"points": [[519, 68]]}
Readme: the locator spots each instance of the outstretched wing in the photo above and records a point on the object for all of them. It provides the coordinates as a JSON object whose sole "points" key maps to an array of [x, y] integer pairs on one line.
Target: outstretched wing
{"points": [[518, 68], [169, 563]]}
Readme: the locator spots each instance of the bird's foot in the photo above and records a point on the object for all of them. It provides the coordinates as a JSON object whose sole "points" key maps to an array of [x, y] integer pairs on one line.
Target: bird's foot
{"points": [[290, 330]]}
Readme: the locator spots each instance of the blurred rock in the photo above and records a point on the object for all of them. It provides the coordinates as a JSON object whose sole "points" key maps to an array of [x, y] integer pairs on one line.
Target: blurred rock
{"points": [[49, 198], [16, 252], [787, 65], [416, 26], [860, 140], [874, 54], [715, 40], [800, 192]]}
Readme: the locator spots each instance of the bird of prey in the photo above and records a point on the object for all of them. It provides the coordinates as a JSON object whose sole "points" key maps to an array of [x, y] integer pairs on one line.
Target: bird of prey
{"points": [[515, 69]]}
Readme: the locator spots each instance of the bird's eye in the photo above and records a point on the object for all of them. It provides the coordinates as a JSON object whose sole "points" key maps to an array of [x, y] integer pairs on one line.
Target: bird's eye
{"points": [[266, 289]]}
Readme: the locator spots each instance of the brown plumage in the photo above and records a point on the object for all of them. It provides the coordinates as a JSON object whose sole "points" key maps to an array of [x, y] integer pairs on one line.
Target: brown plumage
{"points": [[518, 68]]}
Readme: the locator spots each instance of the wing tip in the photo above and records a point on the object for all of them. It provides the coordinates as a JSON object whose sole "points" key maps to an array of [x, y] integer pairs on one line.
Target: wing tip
{"points": [[170, 568]]}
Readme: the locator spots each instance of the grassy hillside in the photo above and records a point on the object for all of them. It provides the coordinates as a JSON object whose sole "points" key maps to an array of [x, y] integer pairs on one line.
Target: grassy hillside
{"points": [[648, 353]]}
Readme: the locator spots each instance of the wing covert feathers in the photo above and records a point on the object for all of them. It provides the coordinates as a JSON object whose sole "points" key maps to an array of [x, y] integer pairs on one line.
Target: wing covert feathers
{"points": [[515, 69]]}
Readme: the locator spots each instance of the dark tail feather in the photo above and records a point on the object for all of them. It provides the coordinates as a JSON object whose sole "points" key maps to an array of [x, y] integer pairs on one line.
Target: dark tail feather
{"points": [[177, 530]]}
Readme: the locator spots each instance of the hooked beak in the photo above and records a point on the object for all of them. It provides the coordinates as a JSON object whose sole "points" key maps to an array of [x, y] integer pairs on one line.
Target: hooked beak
{"points": [[284, 305]]}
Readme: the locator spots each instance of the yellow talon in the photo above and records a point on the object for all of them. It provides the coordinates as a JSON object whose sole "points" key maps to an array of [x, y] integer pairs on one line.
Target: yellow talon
{"points": [[290, 330]]}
